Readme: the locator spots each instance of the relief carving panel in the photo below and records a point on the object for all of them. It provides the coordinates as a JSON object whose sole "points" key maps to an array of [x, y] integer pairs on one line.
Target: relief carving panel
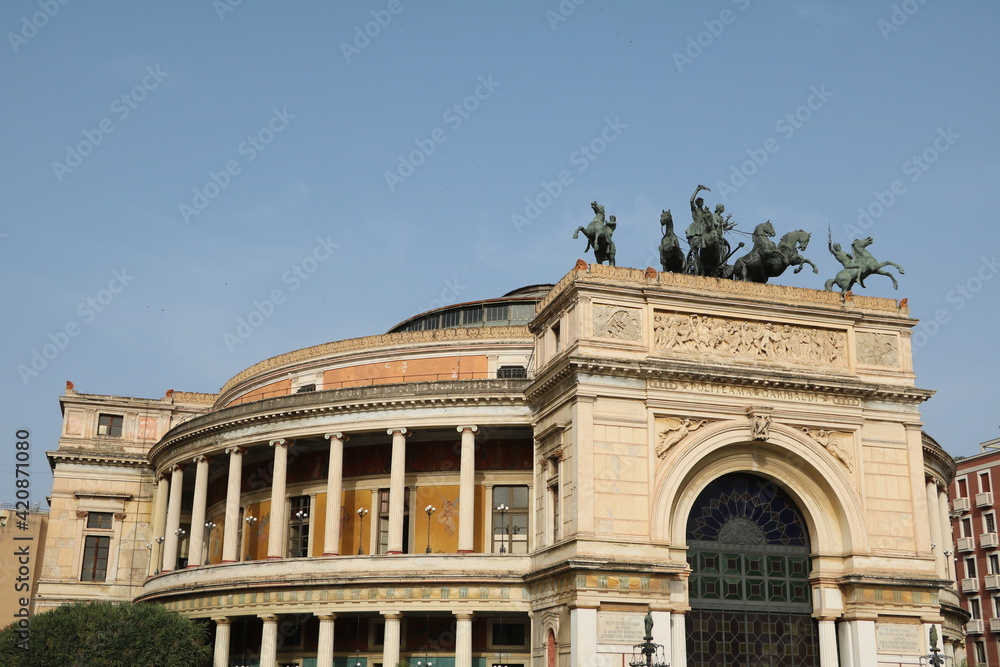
{"points": [[617, 322], [878, 350], [674, 332]]}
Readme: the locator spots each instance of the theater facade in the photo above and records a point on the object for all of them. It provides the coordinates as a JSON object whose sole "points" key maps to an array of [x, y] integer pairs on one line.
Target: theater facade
{"points": [[521, 480]]}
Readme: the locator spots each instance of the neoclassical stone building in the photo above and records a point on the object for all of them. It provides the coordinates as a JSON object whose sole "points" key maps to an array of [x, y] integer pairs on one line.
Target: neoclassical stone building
{"points": [[519, 481]]}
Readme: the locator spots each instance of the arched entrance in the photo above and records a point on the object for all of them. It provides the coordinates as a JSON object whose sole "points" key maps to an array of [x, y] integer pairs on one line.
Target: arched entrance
{"points": [[749, 588]]}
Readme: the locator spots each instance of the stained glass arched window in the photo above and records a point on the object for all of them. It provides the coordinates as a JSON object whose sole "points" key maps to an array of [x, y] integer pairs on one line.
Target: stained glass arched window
{"points": [[749, 586]]}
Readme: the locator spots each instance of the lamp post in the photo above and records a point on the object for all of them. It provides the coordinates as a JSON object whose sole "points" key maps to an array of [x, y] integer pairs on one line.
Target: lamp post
{"points": [[503, 509], [362, 513], [934, 658], [648, 653], [430, 509]]}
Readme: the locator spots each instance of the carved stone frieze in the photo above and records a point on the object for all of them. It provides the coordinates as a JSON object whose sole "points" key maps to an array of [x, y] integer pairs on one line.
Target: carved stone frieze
{"points": [[671, 430], [876, 349], [833, 442], [617, 322], [675, 332]]}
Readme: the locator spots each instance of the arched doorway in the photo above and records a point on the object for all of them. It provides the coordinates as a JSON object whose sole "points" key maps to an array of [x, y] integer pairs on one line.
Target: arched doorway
{"points": [[749, 588]]}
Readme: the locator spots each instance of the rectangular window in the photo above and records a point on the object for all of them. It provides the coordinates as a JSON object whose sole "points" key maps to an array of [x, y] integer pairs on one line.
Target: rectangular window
{"points": [[981, 653], [508, 634], [298, 527], [95, 558], [996, 607], [306, 388], [473, 315], [496, 313], [967, 527], [512, 372], [970, 568], [963, 488], [510, 519], [993, 563], [383, 521], [452, 318], [984, 482], [990, 522], [100, 520], [975, 608], [110, 425]]}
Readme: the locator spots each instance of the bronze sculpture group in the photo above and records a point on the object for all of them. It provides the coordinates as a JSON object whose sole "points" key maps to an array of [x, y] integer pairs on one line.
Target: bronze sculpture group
{"points": [[709, 251]]}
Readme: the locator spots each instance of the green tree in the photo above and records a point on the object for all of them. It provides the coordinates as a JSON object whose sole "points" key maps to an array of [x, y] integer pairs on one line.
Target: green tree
{"points": [[106, 634]]}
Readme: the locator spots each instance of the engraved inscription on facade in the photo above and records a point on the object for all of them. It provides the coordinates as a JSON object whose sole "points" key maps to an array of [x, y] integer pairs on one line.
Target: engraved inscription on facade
{"points": [[898, 637], [743, 338], [617, 322], [878, 349], [619, 628]]}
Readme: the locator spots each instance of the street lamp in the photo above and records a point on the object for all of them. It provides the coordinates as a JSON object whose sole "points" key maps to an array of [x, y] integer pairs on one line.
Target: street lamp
{"points": [[648, 653], [251, 519], [430, 509], [362, 513], [210, 525], [503, 509], [934, 658], [179, 532]]}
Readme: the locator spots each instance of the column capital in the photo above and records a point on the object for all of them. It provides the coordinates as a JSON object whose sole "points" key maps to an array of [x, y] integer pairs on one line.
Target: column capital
{"points": [[162, 477], [267, 617], [326, 617], [463, 615], [392, 615], [222, 620], [401, 431], [235, 450], [202, 458], [337, 435], [176, 467], [280, 442], [463, 429]]}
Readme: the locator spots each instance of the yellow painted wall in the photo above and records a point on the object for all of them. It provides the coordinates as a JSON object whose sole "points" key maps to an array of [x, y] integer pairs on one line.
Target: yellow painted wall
{"points": [[477, 531], [215, 538], [354, 499], [256, 533], [317, 524], [443, 523]]}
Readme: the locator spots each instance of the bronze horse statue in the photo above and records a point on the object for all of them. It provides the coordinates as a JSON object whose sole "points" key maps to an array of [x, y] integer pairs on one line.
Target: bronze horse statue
{"points": [[598, 234], [671, 255], [768, 259], [709, 250], [862, 265]]}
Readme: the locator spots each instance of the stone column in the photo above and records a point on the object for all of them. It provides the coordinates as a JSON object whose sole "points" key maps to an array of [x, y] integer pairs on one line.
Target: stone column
{"points": [[222, 629], [937, 537], [857, 643], [467, 489], [678, 641], [828, 643], [324, 651], [846, 637], [173, 518], [196, 546], [334, 491], [278, 521], [390, 646], [583, 635], [397, 476], [159, 524], [231, 529], [269, 641], [463, 639], [661, 630]]}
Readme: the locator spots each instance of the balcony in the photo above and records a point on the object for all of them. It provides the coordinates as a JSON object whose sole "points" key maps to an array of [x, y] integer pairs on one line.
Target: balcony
{"points": [[984, 499], [965, 544], [969, 585], [960, 504], [992, 582], [974, 627], [989, 540], [995, 625]]}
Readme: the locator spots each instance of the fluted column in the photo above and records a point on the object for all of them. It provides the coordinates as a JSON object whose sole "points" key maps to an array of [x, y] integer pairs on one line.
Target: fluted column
{"points": [[159, 524], [222, 633], [196, 546], [390, 646], [397, 477], [269, 641], [173, 518], [231, 528], [324, 650], [278, 521], [467, 489], [334, 491], [678, 641], [934, 518], [463, 639], [828, 643]]}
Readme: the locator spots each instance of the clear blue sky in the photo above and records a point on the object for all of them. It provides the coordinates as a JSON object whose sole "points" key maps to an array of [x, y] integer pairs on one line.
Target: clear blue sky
{"points": [[167, 165]]}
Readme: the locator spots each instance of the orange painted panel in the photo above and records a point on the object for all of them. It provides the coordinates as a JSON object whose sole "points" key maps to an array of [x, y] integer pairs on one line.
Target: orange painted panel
{"points": [[280, 388], [317, 524], [443, 523], [408, 370], [215, 538]]}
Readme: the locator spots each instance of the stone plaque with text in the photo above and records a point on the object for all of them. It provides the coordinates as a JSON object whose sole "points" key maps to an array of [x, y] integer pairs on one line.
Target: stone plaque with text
{"points": [[615, 627], [898, 637]]}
